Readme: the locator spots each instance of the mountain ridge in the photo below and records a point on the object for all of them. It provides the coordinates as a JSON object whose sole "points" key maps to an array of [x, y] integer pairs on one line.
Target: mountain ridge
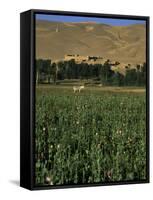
{"points": [[121, 43]]}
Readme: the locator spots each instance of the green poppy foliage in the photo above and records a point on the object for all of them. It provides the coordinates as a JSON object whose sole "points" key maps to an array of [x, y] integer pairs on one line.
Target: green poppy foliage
{"points": [[89, 137]]}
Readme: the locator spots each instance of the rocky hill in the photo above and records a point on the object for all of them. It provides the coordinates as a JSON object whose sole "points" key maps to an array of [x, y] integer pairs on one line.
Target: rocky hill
{"points": [[126, 44]]}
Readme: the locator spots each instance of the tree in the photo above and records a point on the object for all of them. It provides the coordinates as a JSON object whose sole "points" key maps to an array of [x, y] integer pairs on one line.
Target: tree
{"points": [[106, 73], [49, 69], [42, 68], [61, 70], [142, 75], [84, 70], [130, 77], [39, 63], [118, 79], [72, 69], [54, 69], [96, 69]]}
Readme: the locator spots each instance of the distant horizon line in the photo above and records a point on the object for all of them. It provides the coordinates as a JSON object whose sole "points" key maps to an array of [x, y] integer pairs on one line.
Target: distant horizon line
{"points": [[90, 20]]}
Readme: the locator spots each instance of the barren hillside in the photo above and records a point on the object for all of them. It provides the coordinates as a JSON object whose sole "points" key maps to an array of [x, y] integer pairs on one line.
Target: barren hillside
{"points": [[125, 43]]}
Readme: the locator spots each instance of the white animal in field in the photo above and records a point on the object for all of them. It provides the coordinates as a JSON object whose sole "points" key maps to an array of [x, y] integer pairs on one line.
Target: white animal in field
{"points": [[78, 88]]}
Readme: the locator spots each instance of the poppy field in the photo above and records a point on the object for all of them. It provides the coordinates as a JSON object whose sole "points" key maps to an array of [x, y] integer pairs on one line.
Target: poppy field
{"points": [[89, 137]]}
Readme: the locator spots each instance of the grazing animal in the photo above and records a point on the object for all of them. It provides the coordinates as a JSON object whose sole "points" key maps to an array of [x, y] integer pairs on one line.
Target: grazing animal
{"points": [[78, 88]]}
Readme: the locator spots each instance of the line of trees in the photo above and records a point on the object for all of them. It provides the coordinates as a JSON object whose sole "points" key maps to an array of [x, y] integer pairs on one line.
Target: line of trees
{"points": [[49, 72]]}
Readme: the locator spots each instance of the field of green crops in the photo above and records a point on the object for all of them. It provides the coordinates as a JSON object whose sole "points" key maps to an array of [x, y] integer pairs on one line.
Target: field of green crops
{"points": [[91, 137]]}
